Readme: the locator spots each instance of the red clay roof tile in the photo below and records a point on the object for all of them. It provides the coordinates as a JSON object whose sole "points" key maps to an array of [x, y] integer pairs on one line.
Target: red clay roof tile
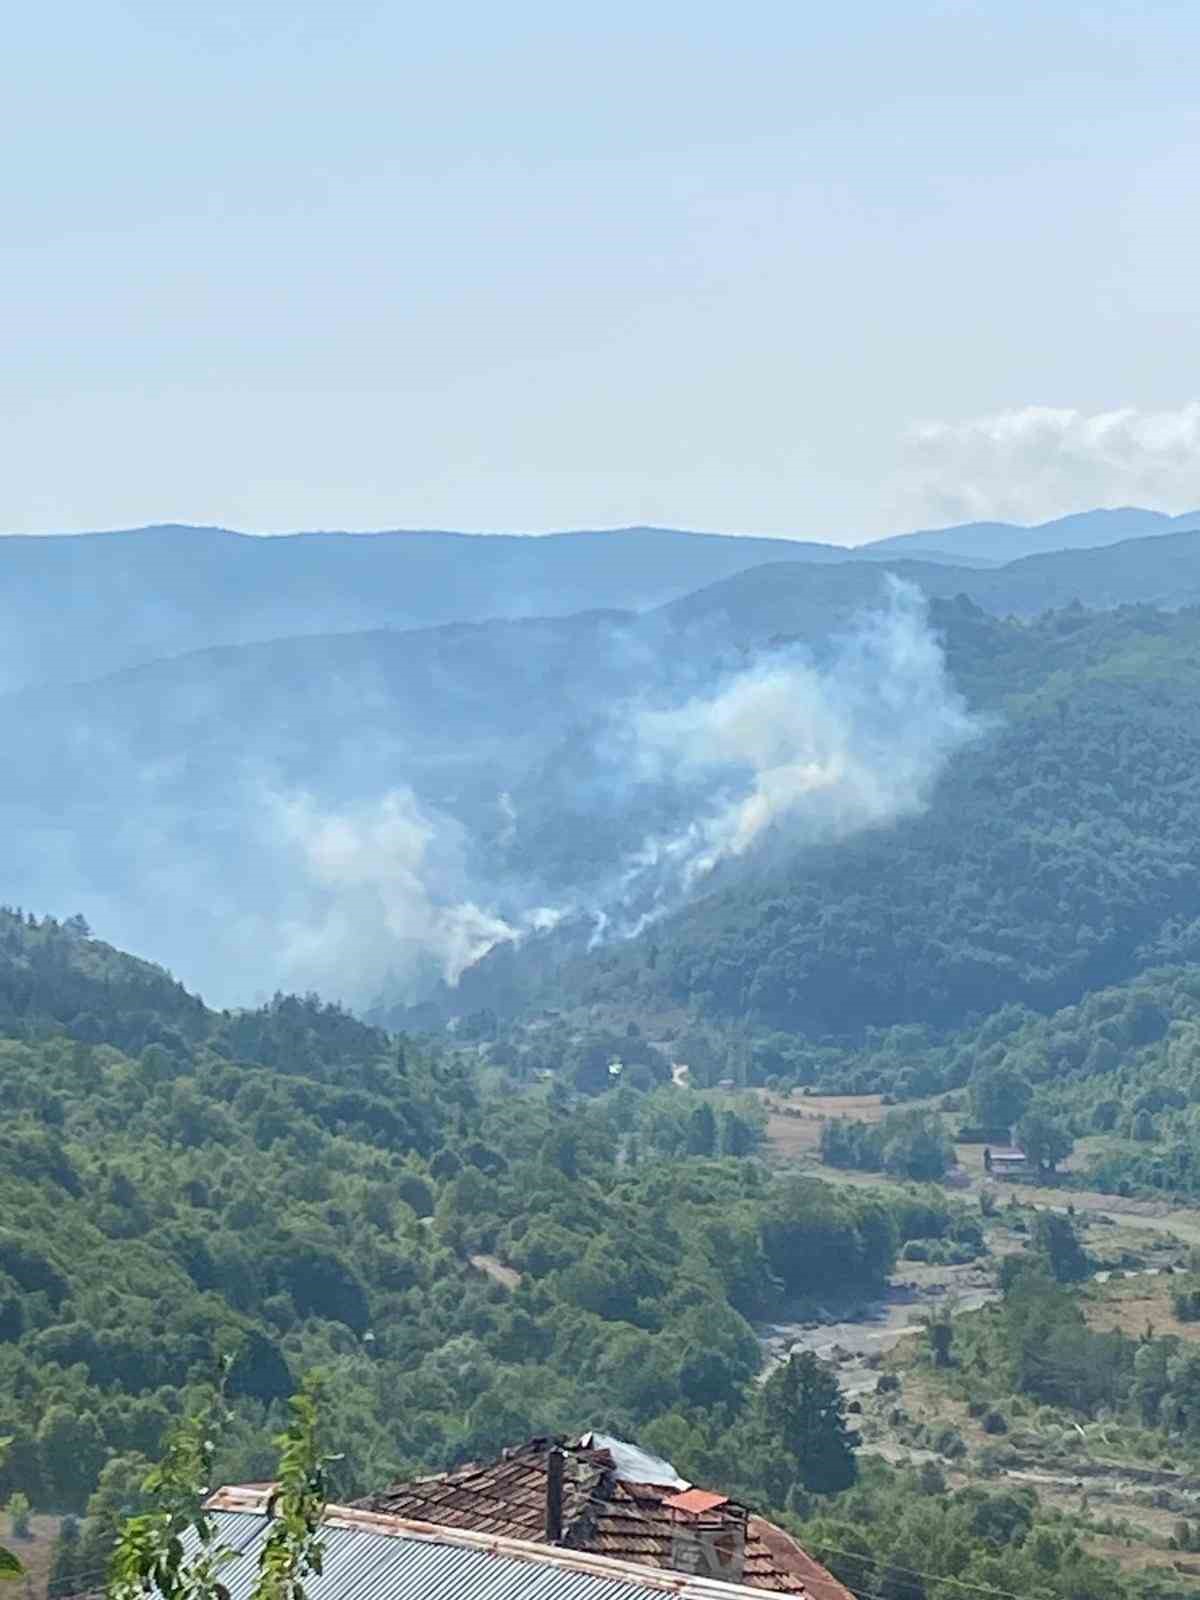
{"points": [[601, 1512]]}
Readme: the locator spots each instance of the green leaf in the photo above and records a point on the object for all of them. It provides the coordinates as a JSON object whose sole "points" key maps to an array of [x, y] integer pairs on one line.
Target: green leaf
{"points": [[10, 1567]]}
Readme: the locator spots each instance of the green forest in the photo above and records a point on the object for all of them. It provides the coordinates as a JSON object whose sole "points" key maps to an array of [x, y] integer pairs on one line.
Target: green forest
{"points": [[304, 1191], [464, 1264], [1059, 854], [528, 1222]]}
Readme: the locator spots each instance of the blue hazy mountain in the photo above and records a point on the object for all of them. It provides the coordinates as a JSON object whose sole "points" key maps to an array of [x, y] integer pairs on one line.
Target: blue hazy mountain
{"points": [[1001, 542], [81, 605]]}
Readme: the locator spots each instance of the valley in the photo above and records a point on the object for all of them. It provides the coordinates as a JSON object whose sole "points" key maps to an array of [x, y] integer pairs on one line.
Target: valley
{"points": [[1128, 1508], [600, 814], [660, 975]]}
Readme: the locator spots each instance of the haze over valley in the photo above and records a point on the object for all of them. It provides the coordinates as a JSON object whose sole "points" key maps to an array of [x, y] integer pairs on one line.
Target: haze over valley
{"points": [[370, 802], [600, 826]]}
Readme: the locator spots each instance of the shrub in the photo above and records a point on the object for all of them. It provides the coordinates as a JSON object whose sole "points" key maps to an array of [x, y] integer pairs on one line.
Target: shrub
{"points": [[18, 1516], [948, 1442], [995, 1422]]}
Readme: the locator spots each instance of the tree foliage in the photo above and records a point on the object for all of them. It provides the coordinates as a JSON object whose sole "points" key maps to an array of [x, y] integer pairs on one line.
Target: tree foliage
{"points": [[805, 1416]]}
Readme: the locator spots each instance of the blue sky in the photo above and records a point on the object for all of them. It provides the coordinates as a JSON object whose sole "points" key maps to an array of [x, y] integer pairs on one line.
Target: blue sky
{"points": [[823, 271]]}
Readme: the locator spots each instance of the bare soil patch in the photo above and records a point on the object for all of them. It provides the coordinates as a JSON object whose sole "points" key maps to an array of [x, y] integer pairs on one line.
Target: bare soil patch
{"points": [[1129, 1305], [35, 1554], [506, 1277], [794, 1121]]}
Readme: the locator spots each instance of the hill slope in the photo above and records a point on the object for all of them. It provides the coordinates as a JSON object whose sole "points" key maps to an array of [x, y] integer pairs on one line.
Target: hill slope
{"points": [[1163, 570], [77, 606], [292, 1186], [364, 812], [81, 605], [1059, 853], [1002, 542]]}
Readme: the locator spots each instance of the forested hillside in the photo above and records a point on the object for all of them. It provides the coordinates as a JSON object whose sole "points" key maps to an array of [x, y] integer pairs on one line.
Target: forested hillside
{"points": [[365, 813], [79, 606], [1059, 854], [305, 1191], [469, 1260], [82, 605]]}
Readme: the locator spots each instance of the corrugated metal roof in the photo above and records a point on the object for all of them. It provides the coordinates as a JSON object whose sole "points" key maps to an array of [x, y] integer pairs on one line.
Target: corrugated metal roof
{"points": [[603, 1512], [369, 1557]]}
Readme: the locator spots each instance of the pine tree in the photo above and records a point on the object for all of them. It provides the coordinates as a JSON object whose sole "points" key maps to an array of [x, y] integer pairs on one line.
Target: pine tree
{"points": [[67, 1567], [804, 1412]]}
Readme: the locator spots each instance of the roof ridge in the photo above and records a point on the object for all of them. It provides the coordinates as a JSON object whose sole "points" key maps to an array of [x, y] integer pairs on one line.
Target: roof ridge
{"points": [[248, 1501]]}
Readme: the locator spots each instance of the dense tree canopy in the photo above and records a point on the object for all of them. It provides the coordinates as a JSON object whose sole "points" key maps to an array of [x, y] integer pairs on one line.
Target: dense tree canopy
{"points": [[292, 1187]]}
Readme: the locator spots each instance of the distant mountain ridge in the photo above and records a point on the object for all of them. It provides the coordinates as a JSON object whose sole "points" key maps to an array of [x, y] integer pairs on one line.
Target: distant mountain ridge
{"points": [[226, 774], [80, 606], [1002, 542]]}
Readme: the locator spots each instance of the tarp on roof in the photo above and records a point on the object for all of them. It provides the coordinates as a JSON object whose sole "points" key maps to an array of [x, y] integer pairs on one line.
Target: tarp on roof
{"points": [[634, 1465]]}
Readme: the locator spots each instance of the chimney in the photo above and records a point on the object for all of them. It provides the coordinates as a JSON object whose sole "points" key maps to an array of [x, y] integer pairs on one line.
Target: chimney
{"points": [[555, 1461]]}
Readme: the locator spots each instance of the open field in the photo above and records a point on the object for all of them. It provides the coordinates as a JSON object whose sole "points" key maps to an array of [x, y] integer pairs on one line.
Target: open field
{"points": [[35, 1555], [793, 1134], [1131, 1305], [794, 1121], [1118, 1512], [1109, 1505]]}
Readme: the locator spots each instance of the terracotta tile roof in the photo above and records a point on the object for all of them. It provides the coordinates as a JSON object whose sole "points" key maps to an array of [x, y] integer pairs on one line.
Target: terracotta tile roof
{"points": [[372, 1556], [696, 1501], [603, 1512]]}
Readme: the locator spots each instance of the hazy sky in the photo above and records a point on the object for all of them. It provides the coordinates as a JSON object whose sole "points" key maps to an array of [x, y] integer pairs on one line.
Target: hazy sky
{"points": [[793, 268]]}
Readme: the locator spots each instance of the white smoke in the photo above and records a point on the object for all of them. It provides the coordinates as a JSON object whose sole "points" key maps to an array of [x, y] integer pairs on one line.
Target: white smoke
{"points": [[813, 752], [386, 901], [1039, 462], [385, 878], [805, 751]]}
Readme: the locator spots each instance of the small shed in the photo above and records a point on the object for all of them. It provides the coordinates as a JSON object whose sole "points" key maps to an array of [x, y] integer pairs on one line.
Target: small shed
{"points": [[1006, 1163]]}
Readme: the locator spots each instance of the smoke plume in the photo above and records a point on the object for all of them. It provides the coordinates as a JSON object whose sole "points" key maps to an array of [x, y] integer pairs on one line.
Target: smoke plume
{"points": [[789, 748], [259, 820], [802, 751]]}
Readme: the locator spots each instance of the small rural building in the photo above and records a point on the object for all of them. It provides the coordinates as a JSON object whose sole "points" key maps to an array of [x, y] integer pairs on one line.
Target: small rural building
{"points": [[608, 1498], [369, 1554], [1010, 1162]]}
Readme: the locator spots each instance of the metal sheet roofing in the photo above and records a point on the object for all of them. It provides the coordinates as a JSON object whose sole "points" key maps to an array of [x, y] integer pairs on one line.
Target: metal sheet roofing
{"points": [[603, 1512], [377, 1558]]}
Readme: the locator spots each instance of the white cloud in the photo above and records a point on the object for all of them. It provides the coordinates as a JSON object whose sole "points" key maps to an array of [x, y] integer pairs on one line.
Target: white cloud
{"points": [[1039, 462]]}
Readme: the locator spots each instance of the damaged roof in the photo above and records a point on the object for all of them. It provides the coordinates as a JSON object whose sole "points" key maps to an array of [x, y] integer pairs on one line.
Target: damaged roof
{"points": [[373, 1557], [604, 1510]]}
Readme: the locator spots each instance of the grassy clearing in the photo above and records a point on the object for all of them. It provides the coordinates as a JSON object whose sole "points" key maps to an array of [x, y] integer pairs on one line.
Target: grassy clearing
{"points": [[1131, 1305], [1114, 1515], [794, 1121], [35, 1554]]}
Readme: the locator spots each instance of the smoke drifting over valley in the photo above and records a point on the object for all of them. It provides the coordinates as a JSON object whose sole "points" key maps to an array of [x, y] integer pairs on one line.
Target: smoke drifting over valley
{"points": [[813, 751], [369, 816], [785, 748], [389, 906]]}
